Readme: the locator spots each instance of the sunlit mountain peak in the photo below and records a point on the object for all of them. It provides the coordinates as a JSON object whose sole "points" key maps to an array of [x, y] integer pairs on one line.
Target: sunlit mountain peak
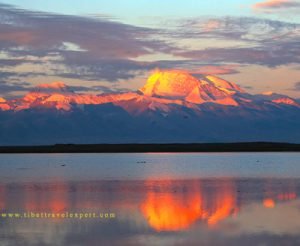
{"points": [[3, 105], [223, 84], [280, 99], [164, 91], [179, 84], [2, 100], [54, 86], [173, 106], [268, 93], [170, 83]]}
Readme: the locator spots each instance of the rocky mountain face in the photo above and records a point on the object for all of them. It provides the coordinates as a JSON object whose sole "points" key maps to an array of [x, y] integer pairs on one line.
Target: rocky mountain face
{"points": [[173, 106]]}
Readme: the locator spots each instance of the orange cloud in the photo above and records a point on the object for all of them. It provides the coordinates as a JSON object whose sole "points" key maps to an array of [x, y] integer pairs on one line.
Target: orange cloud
{"points": [[204, 70], [276, 4], [211, 25], [18, 37], [228, 69]]}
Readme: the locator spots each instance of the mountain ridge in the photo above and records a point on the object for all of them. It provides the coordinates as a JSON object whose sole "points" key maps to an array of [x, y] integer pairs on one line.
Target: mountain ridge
{"points": [[162, 87], [173, 106]]}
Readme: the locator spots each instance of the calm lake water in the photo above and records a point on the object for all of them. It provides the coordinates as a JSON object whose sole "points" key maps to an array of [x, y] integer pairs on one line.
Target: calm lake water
{"points": [[150, 199]]}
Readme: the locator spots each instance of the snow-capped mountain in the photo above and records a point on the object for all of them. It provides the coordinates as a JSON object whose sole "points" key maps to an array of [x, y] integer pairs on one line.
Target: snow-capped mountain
{"points": [[173, 106]]}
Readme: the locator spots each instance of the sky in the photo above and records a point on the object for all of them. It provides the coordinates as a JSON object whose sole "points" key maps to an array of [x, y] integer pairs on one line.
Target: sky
{"points": [[110, 46]]}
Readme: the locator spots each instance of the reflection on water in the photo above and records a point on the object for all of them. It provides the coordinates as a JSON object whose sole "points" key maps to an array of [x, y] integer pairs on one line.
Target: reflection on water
{"points": [[176, 206], [227, 211]]}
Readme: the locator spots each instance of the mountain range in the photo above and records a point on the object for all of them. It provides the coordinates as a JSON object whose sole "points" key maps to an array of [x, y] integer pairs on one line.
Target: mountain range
{"points": [[172, 107]]}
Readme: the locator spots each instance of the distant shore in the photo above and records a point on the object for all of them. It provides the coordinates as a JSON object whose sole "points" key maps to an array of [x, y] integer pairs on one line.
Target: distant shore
{"points": [[142, 148]]}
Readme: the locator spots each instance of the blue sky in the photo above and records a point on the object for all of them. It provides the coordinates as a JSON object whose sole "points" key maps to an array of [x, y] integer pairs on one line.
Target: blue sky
{"points": [[182, 8], [133, 11], [255, 43]]}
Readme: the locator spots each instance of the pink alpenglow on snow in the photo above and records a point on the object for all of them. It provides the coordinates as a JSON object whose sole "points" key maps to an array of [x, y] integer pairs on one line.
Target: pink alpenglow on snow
{"points": [[162, 89]]}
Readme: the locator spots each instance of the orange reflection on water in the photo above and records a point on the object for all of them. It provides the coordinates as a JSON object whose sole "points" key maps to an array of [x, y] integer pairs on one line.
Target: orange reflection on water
{"points": [[272, 196], [50, 198], [287, 196], [2, 197], [269, 203], [223, 205], [169, 211], [58, 198]]}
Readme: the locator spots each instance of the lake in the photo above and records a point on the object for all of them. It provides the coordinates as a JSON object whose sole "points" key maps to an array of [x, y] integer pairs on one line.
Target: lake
{"points": [[150, 199]]}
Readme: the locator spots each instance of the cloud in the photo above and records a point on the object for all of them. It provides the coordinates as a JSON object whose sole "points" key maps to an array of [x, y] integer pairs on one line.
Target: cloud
{"points": [[241, 40], [7, 88], [36, 44], [82, 66], [16, 77], [11, 62], [296, 87], [276, 4], [251, 30], [213, 69], [259, 56], [211, 25], [248, 87], [50, 32], [97, 88], [86, 48]]}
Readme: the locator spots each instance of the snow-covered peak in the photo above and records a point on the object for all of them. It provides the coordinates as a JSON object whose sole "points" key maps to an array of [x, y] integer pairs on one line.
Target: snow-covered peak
{"points": [[2, 100], [3, 105], [177, 84], [170, 83], [163, 90], [268, 93], [52, 87], [223, 84], [43, 91], [278, 98]]}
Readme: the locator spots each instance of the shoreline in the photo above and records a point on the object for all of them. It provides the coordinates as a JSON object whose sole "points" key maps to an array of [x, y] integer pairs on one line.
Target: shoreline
{"points": [[144, 148]]}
